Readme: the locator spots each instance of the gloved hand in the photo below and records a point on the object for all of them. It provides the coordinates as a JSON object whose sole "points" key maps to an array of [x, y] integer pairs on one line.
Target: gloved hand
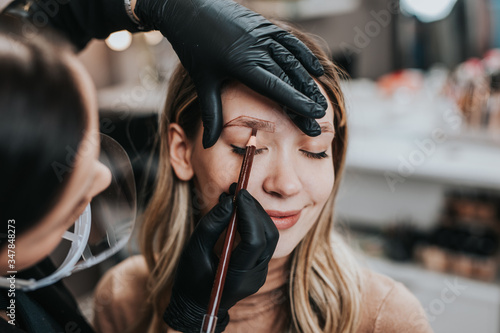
{"points": [[220, 39], [215, 40], [247, 270]]}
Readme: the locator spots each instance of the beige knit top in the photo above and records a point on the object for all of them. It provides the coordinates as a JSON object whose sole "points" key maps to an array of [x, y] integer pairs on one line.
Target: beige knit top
{"points": [[387, 307]]}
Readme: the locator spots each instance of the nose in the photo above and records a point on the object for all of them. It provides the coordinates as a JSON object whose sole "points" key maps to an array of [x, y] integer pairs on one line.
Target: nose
{"points": [[282, 179], [102, 179]]}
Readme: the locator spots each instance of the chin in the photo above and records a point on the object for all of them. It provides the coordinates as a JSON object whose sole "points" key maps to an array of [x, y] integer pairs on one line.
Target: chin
{"points": [[283, 251]]}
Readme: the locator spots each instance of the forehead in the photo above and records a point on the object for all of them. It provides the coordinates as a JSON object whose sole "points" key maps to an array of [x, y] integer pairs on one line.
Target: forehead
{"points": [[239, 101]]}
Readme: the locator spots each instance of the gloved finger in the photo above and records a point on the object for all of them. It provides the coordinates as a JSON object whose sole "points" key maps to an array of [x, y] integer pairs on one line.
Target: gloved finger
{"points": [[211, 226], [307, 125], [231, 190], [209, 95], [253, 234], [269, 85], [272, 236], [270, 230], [301, 52], [299, 77], [223, 195], [273, 67]]}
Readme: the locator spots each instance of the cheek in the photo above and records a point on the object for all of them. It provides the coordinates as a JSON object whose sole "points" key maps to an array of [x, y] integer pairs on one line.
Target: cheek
{"points": [[214, 172], [318, 182]]}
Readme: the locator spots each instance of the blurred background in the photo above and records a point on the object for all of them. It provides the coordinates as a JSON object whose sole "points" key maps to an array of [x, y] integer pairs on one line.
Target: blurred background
{"points": [[420, 198]]}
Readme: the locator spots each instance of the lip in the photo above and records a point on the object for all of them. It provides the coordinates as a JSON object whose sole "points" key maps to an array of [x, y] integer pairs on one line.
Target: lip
{"points": [[284, 220]]}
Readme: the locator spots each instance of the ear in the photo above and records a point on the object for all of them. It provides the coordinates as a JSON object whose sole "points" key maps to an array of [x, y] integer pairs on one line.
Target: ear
{"points": [[180, 152]]}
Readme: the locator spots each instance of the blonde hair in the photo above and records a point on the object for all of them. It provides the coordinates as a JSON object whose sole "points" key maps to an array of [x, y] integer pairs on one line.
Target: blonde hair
{"points": [[324, 283]]}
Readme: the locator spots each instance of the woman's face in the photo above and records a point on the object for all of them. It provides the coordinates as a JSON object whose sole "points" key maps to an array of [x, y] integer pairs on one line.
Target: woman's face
{"points": [[292, 175], [89, 177]]}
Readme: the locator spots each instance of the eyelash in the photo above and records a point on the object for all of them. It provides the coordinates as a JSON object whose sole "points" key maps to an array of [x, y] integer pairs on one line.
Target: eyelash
{"points": [[241, 151], [317, 156]]}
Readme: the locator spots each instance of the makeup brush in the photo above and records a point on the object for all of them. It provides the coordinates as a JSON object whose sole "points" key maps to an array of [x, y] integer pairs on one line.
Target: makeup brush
{"points": [[210, 319]]}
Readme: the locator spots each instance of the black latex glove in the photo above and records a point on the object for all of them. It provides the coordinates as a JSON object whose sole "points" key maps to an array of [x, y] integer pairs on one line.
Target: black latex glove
{"points": [[79, 20], [247, 270], [220, 39], [215, 40]]}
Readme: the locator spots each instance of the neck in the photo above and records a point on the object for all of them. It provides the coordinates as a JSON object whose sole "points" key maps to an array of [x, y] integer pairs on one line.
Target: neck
{"points": [[266, 309]]}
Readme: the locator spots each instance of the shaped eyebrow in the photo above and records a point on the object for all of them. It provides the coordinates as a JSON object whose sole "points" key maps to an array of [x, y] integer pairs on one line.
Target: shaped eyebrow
{"points": [[254, 123], [326, 127]]}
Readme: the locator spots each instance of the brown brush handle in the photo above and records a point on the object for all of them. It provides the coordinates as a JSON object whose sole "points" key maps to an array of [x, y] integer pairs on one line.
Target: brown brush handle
{"points": [[220, 276]]}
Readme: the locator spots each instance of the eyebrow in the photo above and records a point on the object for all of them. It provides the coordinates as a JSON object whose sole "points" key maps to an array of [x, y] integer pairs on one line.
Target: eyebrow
{"points": [[253, 123], [326, 127], [268, 126]]}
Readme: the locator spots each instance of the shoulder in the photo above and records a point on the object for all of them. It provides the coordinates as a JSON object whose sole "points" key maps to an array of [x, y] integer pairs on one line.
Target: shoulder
{"points": [[119, 294], [388, 306]]}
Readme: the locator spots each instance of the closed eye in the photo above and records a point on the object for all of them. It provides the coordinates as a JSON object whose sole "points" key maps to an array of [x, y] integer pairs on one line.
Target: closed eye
{"points": [[242, 151], [317, 156]]}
